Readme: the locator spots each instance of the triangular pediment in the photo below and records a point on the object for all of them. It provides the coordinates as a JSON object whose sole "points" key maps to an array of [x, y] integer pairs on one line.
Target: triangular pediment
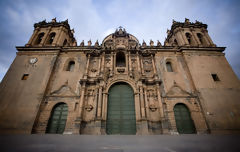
{"points": [[177, 91], [64, 90]]}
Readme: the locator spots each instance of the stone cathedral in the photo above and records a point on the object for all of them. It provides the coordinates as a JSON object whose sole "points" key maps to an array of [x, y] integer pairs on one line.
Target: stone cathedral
{"points": [[120, 86]]}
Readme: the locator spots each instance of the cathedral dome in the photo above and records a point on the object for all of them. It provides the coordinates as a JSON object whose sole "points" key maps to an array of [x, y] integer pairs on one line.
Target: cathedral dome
{"points": [[120, 39]]}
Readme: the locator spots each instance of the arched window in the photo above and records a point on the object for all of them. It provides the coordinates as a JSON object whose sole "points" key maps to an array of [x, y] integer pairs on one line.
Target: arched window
{"points": [[70, 66], [169, 67], [51, 38], [58, 118], [188, 35], [199, 35], [184, 122], [175, 42], [120, 59], [65, 42], [39, 38]]}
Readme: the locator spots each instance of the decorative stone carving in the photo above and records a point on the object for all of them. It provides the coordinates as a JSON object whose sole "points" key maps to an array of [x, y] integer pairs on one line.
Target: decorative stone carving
{"points": [[121, 70], [89, 107], [33, 60], [159, 43], [144, 44], [96, 44], [151, 43], [90, 92], [153, 107], [89, 42], [82, 43]]}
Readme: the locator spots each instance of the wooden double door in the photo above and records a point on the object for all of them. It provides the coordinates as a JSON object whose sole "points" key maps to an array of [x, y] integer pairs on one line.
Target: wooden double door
{"points": [[121, 117]]}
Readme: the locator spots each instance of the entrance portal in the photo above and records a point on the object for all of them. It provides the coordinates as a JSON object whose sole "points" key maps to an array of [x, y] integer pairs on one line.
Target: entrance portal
{"points": [[183, 119], [121, 118]]}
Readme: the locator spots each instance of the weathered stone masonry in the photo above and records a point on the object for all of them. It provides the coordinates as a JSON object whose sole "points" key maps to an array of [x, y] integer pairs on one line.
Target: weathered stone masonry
{"points": [[188, 70]]}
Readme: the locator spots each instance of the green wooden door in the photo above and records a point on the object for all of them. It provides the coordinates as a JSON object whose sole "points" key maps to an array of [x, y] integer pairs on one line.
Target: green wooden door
{"points": [[121, 117], [183, 119], [57, 121]]}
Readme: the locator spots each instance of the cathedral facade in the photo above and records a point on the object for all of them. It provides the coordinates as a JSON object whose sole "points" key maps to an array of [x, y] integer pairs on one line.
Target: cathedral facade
{"points": [[120, 86]]}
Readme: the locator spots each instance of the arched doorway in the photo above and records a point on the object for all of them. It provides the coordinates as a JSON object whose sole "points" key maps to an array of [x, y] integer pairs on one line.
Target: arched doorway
{"points": [[183, 119], [57, 121], [121, 117]]}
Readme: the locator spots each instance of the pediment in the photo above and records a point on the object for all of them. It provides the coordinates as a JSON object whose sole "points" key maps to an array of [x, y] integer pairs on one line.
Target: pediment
{"points": [[64, 90], [177, 91]]}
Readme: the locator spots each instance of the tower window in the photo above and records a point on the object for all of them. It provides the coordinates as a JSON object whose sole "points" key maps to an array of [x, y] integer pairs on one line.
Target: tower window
{"points": [[199, 35], [65, 42], [169, 67], [215, 77], [120, 59], [40, 37], [175, 41], [51, 38], [188, 35], [71, 65], [25, 76]]}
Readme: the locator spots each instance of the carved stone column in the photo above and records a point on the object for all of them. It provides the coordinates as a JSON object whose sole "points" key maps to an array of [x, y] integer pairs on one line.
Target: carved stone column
{"points": [[59, 34], [127, 63], [142, 103], [159, 101], [196, 40], [112, 64], [154, 66], [86, 70], [146, 102], [137, 106], [138, 64], [103, 63], [99, 111], [104, 106], [208, 37], [34, 37], [80, 111], [141, 64], [184, 37], [99, 65], [130, 64], [45, 36]]}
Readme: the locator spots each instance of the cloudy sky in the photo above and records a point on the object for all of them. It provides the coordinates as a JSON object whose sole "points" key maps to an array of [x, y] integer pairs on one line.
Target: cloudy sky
{"points": [[94, 19]]}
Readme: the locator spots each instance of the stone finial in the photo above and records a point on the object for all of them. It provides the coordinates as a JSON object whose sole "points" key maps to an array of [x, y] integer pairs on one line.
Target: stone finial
{"points": [[54, 20], [168, 31], [159, 43], [187, 20], [143, 43], [89, 42], [151, 42], [82, 43], [173, 21], [72, 31], [96, 43]]}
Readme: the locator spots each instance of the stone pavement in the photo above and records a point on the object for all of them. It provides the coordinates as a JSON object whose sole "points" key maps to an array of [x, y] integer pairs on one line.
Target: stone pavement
{"points": [[120, 143]]}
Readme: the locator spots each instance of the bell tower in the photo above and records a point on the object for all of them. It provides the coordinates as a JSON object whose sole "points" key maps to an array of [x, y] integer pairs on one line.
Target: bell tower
{"points": [[188, 34], [52, 34]]}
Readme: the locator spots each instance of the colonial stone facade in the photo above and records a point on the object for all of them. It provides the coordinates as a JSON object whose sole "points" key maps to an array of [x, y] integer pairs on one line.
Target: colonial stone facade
{"points": [[120, 86]]}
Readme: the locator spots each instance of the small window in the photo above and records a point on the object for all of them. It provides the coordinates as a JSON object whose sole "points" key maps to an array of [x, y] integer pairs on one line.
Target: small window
{"points": [[215, 77], [71, 65], [40, 37], [175, 42], [188, 35], [25, 76], [199, 35], [51, 38], [120, 59], [65, 42], [169, 67]]}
